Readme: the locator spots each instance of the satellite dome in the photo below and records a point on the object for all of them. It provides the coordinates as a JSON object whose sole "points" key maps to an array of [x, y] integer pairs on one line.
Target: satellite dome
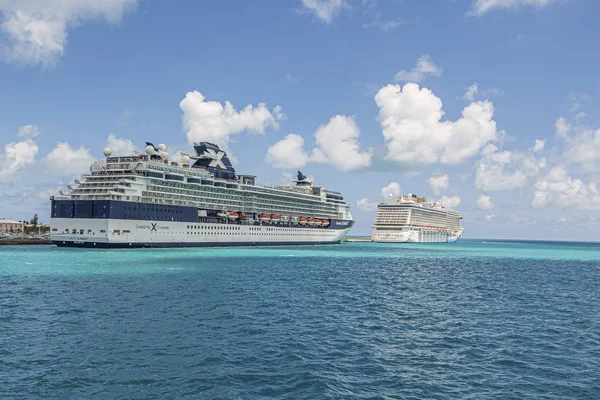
{"points": [[162, 147], [149, 150], [164, 155], [107, 152], [185, 159]]}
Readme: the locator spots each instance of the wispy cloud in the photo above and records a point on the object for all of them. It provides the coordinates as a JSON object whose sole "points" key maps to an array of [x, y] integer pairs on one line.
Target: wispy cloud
{"points": [[324, 10], [385, 26], [35, 31], [481, 7], [425, 67]]}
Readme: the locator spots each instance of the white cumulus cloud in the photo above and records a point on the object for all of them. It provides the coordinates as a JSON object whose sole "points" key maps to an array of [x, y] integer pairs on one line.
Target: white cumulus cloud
{"points": [[450, 201], [481, 7], [288, 152], [214, 122], [423, 68], [414, 133], [337, 144], [35, 31], [507, 170], [16, 156], [324, 10], [365, 205], [558, 188], [484, 202], [492, 171], [65, 160], [44, 195], [489, 217], [582, 145], [438, 182], [393, 188], [120, 146]]}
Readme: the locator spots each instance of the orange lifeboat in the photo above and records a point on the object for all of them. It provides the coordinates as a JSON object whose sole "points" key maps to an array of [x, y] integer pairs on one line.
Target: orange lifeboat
{"points": [[264, 217], [311, 222], [303, 221], [232, 215], [275, 219], [243, 215]]}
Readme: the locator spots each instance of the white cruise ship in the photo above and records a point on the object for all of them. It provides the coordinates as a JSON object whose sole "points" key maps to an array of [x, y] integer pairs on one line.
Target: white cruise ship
{"points": [[410, 219], [145, 200]]}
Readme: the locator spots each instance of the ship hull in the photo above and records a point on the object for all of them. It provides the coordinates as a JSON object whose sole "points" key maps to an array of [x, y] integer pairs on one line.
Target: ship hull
{"points": [[415, 236], [113, 233]]}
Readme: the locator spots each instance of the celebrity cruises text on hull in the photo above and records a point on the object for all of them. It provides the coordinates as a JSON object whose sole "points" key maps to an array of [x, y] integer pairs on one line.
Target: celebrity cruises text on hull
{"points": [[144, 200], [409, 219]]}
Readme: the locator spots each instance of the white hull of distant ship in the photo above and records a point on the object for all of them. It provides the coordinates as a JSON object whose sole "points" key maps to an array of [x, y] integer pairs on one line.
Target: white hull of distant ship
{"points": [[417, 235]]}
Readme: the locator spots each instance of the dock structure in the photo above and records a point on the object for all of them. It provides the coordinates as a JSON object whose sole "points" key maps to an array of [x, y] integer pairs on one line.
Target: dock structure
{"points": [[24, 241]]}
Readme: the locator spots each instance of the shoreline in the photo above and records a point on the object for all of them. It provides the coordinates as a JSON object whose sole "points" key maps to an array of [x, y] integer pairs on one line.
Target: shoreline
{"points": [[17, 242]]}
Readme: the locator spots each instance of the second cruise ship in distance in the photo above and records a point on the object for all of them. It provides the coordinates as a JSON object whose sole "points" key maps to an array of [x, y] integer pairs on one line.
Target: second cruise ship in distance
{"points": [[410, 219], [145, 200]]}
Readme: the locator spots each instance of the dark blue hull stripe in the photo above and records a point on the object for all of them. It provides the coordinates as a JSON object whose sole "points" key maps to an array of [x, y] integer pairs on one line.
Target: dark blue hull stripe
{"points": [[98, 245]]}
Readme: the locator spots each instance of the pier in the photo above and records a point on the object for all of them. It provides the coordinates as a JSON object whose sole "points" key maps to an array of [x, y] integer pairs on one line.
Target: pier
{"points": [[24, 241]]}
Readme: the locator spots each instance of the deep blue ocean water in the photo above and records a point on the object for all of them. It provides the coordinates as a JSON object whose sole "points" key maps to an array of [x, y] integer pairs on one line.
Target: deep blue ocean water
{"points": [[471, 320]]}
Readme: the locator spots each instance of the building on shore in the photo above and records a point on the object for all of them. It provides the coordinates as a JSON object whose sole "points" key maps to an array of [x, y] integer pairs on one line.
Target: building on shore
{"points": [[10, 226], [37, 229]]}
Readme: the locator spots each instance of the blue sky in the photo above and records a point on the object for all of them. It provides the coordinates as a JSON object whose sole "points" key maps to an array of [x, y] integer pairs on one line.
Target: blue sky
{"points": [[75, 72]]}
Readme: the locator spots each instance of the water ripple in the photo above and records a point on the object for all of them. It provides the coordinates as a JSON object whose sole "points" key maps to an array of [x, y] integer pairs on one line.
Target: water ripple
{"points": [[370, 322]]}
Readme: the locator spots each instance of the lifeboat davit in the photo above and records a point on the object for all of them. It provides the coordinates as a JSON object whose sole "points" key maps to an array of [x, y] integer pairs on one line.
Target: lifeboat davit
{"points": [[264, 218], [294, 220], [232, 215], [311, 222], [303, 221], [275, 219]]}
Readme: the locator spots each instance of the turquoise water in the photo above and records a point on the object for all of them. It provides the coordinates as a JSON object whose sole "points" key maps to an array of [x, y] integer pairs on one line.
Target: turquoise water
{"points": [[475, 319]]}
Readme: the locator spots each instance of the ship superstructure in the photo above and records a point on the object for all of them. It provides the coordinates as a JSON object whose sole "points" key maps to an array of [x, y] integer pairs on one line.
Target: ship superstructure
{"points": [[146, 200], [411, 219]]}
